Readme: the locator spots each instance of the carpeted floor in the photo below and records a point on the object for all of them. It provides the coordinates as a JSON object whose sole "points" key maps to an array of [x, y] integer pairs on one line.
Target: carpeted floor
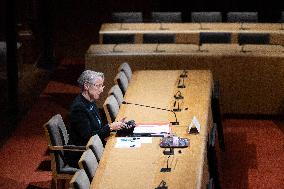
{"points": [[254, 148]]}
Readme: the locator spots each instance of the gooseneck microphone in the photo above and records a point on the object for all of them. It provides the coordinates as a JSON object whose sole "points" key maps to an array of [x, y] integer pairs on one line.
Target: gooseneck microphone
{"points": [[178, 95], [183, 74], [157, 108]]}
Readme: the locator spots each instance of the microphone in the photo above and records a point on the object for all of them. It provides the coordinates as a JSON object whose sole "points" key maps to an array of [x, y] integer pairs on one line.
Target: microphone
{"points": [[181, 85], [121, 27], [178, 95], [157, 50], [183, 74], [114, 50], [153, 107]]}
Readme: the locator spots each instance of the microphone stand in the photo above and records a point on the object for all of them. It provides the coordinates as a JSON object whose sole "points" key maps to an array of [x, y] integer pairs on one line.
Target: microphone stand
{"points": [[176, 109], [142, 105], [182, 85], [167, 169]]}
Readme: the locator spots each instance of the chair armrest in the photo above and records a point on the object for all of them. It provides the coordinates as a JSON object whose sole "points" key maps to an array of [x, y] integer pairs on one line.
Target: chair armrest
{"points": [[67, 148]]}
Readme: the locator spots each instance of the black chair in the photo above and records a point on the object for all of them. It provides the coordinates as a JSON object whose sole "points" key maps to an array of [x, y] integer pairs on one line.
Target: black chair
{"points": [[242, 17], [216, 111], [212, 158], [206, 17], [127, 17], [169, 17], [214, 37], [57, 142], [118, 38], [159, 38], [253, 38]]}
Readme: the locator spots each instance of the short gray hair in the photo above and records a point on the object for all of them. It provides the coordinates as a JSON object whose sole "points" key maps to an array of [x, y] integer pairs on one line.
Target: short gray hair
{"points": [[89, 76]]}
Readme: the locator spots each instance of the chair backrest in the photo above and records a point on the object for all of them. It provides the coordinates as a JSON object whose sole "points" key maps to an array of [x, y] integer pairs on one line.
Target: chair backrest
{"points": [[96, 145], [117, 93], [169, 17], [127, 17], [159, 38], [282, 17], [214, 37], [89, 163], [253, 38], [111, 108], [80, 180], [122, 81], [126, 69], [242, 17], [57, 134], [118, 38], [206, 17]]}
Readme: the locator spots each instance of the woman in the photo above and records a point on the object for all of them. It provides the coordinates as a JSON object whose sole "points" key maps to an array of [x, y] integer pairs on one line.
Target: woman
{"points": [[85, 120]]}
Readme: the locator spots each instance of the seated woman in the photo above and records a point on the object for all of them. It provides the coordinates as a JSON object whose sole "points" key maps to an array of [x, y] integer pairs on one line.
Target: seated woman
{"points": [[84, 117]]}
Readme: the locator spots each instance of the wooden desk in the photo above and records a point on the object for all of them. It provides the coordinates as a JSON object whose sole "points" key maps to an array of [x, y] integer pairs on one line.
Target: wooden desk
{"points": [[251, 82], [140, 167], [188, 33]]}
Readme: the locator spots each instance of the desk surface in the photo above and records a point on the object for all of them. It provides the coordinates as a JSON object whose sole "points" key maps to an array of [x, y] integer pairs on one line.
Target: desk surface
{"points": [[189, 32], [186, 27], [179, 49], [140, 167], [248, 80]]}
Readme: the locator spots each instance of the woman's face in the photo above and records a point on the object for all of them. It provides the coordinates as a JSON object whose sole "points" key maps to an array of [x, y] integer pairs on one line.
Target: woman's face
{"points": [[94, 90]]}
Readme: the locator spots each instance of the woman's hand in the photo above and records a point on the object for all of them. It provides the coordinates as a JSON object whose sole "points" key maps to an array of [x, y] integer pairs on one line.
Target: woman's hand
{"points": [[116, 125]]}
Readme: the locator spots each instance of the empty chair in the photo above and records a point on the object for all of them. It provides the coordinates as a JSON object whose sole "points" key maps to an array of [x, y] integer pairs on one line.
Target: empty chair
{"points": [[159, 38], [89, 163], [118, 38], [214, 37], [127, 17], [206, 17], [122, 81], [126, 69], [282, 17], [212, 157], [57, 142], [166, 17], [96, 145], [215, 104], [253, 38], [242, 17], [111, 108], [80, 180], [117, 93]]}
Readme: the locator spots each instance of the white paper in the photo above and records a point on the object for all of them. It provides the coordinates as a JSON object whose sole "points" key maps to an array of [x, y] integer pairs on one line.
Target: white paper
{"points": [[127, 142], [194, 123], [156, 129], [145, 139]]}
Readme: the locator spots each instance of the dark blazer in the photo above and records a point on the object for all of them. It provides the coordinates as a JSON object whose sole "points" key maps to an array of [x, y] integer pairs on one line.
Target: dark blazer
{"points": [[85, 122]]}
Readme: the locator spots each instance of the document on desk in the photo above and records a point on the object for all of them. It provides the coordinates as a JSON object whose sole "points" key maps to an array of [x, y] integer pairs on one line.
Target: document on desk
{"points": [[127, 142], [131, 142], [152, 128]]}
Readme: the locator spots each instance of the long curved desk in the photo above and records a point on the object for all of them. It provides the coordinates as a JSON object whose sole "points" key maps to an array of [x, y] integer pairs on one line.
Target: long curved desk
{"points": [[252, 82], [188, 33], [140, 167]]}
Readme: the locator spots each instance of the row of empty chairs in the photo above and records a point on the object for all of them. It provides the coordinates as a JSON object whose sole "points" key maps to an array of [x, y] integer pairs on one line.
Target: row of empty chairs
{"points": [[117, 92], [58, 138], [204, 37], [176, 17]]}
